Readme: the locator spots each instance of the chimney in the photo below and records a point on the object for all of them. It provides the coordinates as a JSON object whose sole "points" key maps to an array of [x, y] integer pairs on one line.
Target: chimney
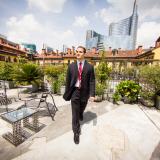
{"points": [[57, 52], [17, 46], [114, 52], [119, 49], [140, 49], [68, 51], [1, 40], [94, 50], [43, 51], [73, 50], [110, 49]]}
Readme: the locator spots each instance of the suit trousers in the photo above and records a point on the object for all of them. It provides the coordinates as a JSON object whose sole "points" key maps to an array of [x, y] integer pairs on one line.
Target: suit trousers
{"points": [[78, 103]]}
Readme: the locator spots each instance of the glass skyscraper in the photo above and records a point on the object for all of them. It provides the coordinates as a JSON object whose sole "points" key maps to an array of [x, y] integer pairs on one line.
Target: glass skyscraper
{"points": [[122, 34], [30, 47], [94, 39]]}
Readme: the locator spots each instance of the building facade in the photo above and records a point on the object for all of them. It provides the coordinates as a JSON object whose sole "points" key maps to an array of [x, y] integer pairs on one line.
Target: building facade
{"points": [[11, 51], [118, 59], [152, 55], [30, 47]]}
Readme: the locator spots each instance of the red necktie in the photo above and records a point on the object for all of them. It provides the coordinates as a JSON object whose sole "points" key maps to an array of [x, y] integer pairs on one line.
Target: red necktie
{"points": [[80, 74]]}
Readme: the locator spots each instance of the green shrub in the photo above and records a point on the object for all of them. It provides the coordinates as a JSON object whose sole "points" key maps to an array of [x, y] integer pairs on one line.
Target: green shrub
{"points": [[99, 89], [28, 73], [150, 75], [127, 89], [6, 71], [57, 74], [54, 71], [116, 97], [61, 79], [102, 72], [56, 86], [150, 80]]}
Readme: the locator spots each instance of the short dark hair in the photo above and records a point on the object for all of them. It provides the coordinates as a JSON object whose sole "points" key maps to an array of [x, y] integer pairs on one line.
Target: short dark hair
{"points": [[84, 49]]}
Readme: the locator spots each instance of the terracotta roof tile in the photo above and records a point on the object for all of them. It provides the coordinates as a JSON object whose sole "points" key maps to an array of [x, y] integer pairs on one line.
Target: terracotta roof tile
{"points": [[90, 54], [46, 56]]}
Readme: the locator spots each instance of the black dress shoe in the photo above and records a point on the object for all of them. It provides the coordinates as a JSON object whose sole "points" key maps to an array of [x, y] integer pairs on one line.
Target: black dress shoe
{"points": [[81, 117], [76, 138]]}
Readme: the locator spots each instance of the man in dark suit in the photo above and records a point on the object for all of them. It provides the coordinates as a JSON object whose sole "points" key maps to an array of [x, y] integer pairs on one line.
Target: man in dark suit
{"points": [[80, 86]]}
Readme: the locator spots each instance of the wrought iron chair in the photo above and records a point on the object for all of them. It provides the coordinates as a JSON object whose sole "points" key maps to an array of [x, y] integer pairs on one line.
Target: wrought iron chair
{"points": [[4, 100], [52, 109]]}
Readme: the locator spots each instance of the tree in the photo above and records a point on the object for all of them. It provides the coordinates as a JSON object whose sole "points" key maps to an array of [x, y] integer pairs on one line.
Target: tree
{"points": [[102, 72]]}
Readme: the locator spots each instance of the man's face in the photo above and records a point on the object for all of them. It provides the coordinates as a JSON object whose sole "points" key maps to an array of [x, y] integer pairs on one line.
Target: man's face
{"points": [[80, 53]]}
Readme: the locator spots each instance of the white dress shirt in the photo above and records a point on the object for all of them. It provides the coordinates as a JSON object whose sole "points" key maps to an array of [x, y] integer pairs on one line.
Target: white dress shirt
{"points": [[78, 81]]}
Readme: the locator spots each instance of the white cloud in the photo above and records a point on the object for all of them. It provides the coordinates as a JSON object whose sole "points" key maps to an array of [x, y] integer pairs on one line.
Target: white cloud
{"points": [[148, 33], [81, 21], [28, 29], [119, 9], [115, 12], [145, 8], [108, 15], [24, 28], [55, 6]]}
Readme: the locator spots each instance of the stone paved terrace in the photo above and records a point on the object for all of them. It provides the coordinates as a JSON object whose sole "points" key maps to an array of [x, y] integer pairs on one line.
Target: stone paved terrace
{"points": [[109, 132]]}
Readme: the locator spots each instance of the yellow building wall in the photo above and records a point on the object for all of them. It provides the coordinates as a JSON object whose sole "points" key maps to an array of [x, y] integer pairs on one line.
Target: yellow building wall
{"points": [[67, 59], [157, 53], [12, 57]]}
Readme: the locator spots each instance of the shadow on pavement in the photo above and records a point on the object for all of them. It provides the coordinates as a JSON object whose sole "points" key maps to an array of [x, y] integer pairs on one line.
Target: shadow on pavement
{"points": [[156, 153], [89, 116]]}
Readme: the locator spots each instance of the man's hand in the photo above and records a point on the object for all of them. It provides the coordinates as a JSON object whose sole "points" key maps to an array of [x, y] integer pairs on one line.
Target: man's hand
{"points": [[91, 99]]}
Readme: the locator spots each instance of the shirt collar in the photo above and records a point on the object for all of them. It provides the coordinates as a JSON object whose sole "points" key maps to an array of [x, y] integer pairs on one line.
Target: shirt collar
{"points": [[82, 62]]}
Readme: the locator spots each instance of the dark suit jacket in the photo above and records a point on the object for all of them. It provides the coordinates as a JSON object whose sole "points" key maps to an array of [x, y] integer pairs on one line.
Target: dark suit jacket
{"points": [[87, 83]]}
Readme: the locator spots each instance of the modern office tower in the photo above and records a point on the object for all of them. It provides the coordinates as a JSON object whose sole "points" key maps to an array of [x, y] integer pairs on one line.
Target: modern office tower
{"points": [[30, 47], [49, 49], [123, 34], [65, 48], [94, 39]]}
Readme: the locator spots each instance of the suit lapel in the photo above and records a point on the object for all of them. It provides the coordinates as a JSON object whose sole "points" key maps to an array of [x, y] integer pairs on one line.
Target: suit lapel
{"points": [[84, 68], [76, 70]]}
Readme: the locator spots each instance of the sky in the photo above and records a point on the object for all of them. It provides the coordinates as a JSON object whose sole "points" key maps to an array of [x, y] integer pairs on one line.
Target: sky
{"points": [[64, 22]]}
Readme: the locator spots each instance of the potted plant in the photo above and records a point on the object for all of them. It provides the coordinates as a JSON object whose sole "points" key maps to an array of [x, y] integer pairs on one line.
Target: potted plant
{"points": [[127, 90], [102, 75], [146, 97], [150, 81], [102, 72], [57, 74], [61, 80], [99, 92], [27, 74]]}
